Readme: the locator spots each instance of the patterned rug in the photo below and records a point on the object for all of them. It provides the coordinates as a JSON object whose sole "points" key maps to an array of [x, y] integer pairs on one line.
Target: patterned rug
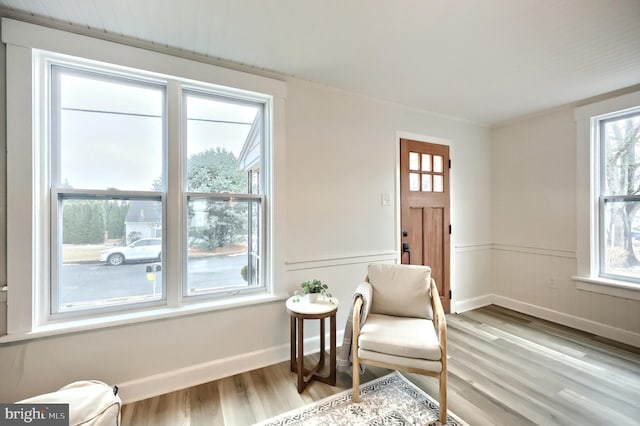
{"points": [[389, 400]]}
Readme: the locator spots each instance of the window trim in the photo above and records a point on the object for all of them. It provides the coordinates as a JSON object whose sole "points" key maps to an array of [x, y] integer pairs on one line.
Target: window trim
{"points": [[24, 129], [587, 117]]}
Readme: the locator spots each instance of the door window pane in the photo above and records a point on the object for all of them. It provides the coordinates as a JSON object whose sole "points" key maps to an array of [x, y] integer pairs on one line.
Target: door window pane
{"points": [[438, 183], [414, 182], [426, 162], [105, 247], [437, 163], [426, 183], [108, 131], [414, 161]]}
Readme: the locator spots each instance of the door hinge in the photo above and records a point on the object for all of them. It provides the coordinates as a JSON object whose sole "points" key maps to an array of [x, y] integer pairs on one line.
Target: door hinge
{"points": [[450, 230], [449, 162], [450, 295]]}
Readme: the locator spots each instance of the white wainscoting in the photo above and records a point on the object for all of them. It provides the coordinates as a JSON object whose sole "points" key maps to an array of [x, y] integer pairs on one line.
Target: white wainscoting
{"points": [[538, 281], [533, 280], [470, 275], [342, 273]]}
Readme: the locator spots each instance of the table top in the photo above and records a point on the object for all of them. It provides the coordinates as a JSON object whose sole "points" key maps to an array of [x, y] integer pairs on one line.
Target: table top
{"points": [[301, 305]]}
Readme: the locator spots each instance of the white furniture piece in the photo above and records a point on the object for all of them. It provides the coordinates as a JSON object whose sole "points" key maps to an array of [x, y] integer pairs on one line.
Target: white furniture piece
{"points": [[91, 403], [300, 309], [405, 328]]}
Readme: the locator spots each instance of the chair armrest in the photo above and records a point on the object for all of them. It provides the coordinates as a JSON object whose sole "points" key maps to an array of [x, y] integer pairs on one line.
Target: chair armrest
{"points": [[439, 320], [357, 307]]}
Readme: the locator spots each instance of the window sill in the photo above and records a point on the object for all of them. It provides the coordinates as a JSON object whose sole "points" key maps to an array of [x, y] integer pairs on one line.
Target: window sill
{"points": [[609, 287], [114, 320]]}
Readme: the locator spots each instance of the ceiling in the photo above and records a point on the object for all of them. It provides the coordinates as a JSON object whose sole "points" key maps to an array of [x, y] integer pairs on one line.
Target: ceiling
{"points": [[487, 61]]}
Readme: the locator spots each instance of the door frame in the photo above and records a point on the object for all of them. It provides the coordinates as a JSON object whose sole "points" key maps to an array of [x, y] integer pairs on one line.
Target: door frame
{"points": [[400, 134]]}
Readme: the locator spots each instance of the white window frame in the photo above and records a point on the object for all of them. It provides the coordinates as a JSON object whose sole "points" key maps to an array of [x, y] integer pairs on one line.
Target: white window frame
{"points": [[264, 120], [588, 119], [28, 213], [43, 61]]}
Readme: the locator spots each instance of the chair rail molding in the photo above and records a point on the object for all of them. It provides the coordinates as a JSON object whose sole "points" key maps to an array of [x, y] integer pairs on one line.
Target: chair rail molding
{"points": [[341, 260], [542, 251]]}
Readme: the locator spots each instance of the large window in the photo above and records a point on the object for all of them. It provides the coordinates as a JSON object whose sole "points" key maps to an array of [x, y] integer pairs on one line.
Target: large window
{"points": [[141, 185], [619, 195], [109, 187], [108, 148]]}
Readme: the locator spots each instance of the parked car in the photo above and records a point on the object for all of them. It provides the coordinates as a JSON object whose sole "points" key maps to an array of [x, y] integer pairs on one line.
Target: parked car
{"points": [[144, 249]]}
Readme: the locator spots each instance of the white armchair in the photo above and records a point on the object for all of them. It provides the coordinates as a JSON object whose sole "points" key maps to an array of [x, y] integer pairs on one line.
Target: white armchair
{"points": [[405, 328]]}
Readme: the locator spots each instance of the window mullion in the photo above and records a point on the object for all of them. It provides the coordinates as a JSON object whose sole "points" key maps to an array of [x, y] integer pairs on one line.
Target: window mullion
{"points": [[175, 258]]}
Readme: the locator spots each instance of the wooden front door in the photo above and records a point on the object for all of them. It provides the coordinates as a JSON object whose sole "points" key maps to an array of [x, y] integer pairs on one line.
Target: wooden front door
{"points": [[425, 226]]}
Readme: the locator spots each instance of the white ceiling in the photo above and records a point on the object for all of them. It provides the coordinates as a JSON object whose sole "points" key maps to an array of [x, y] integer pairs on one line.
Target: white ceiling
{"points": [[482, 60]]}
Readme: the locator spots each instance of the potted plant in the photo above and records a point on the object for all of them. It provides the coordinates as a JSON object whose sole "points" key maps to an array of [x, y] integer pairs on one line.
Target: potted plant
{"points": [[314, 288]]}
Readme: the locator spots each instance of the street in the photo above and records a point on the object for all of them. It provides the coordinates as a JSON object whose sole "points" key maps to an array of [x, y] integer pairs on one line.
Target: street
{"points": [[86, 282]]}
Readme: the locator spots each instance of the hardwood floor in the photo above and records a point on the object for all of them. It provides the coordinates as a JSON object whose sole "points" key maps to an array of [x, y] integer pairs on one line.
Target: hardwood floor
{"points": [[505, 368]]}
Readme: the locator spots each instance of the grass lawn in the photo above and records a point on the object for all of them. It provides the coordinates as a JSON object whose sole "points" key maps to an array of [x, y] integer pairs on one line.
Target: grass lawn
{"points": [[72, 253]]}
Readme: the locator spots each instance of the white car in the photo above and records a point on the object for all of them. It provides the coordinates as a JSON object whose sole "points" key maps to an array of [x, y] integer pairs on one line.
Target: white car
{"points": [[144, 249]]}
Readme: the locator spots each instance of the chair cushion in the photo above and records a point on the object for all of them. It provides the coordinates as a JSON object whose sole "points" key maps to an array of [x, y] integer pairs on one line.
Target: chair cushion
{"points": [[401, 290], [399, 362], [400, 336]]}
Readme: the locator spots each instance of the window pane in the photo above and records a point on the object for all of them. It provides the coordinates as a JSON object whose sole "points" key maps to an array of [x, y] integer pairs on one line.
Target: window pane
{"points": [[437, 163], [414, 182], [223, 143], [438, 183], [414, 161], [620, 140], [426, 162], [621, 239], [426, 183], [223, 244], [108, 131], [106, 246]]}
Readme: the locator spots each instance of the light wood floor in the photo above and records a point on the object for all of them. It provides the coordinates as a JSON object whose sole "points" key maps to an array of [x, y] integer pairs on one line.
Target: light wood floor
{"points": [[505, 368]]}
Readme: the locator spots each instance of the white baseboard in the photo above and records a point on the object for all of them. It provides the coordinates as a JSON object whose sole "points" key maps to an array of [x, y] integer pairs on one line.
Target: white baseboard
{"points": [[170, 381], [469, 304], [583, 324]]}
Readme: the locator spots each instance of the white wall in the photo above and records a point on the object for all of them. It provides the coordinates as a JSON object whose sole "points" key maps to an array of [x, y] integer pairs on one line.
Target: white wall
{"points": [[340, 156], [534, 232]]}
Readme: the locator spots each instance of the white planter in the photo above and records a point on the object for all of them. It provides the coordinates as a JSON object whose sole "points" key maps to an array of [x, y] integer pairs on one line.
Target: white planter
{"points": [[312, 297]]}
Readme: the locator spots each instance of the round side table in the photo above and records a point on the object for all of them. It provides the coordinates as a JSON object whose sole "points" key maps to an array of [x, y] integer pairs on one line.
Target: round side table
{"points": [[300, 309]]}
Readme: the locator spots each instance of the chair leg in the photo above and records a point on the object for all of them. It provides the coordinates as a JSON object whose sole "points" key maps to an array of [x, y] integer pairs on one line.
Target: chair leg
{"points": [[443, 396], [356, 374]]}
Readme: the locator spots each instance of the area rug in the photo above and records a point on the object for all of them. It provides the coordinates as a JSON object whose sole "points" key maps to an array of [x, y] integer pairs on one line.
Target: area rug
{"points": [[388, 400]]}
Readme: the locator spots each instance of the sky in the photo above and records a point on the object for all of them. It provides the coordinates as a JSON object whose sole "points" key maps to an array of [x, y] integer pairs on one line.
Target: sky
{"points": [[111, 133]]}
